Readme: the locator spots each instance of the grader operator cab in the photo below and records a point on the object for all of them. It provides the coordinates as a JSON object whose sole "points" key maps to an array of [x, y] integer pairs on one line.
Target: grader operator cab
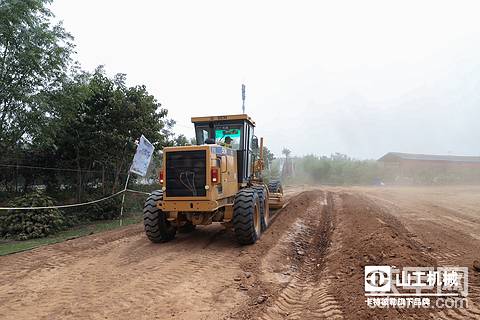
{"points": [[217, 180]]}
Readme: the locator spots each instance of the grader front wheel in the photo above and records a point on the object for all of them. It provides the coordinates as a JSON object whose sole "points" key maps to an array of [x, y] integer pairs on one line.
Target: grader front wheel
{"points": [[264, 205], [276, 199], [275, 186], [247, 216]]}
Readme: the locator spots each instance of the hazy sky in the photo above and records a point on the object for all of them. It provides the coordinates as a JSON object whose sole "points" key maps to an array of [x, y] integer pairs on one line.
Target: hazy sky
{"points": [[357, 77]]}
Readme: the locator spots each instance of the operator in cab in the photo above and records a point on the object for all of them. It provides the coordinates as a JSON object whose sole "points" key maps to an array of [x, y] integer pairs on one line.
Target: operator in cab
{"points": [[228, 142]]}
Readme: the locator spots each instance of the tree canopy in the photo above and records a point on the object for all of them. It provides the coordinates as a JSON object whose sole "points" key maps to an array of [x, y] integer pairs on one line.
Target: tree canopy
{"points": [[34, 56], [54, 115]]}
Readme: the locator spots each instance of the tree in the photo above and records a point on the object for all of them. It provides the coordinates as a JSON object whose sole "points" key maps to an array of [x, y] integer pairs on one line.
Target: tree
{"points": [[270, 171], [181, 140], [34, 55], [287, 169], [93, 122], [268, 157]]}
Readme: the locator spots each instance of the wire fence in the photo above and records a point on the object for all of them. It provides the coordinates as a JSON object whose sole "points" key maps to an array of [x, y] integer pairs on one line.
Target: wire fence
{"points": [[37, 201], [85, 193]]}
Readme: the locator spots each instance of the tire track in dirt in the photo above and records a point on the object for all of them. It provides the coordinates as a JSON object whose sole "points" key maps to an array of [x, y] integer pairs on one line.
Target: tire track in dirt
{"points": [[447, 257], [286, 265], [315, 269], [305, 295], [273, 244], [127, 278]]}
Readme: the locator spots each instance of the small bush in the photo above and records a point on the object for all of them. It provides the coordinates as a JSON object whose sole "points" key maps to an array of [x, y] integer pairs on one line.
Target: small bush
{"points": [[28, 224], [104, 210]]}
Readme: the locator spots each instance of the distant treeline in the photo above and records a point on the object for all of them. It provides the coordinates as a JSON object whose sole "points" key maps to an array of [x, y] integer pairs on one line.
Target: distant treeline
{"points": [[340, 169]]}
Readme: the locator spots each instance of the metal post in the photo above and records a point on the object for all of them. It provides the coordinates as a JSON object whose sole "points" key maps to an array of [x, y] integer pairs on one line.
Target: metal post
{"points": [[123, 198], [243, 98]]}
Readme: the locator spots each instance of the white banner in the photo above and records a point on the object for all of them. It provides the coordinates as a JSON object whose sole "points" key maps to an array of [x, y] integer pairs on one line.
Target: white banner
{"points": [[142, 158]]}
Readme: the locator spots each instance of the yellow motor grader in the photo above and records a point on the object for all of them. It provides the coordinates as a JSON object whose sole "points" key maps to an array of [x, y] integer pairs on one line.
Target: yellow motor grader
{"points": [[217, 180]]}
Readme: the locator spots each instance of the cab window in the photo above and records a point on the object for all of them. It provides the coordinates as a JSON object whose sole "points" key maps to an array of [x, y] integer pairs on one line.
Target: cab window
{"points": [[229, 133], [202, 134]]}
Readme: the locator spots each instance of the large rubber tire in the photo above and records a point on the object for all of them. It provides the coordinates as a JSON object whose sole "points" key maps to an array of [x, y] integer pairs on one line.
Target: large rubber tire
{"points": [[275, 186], [246, 216], [157, 227], [264, 207]]}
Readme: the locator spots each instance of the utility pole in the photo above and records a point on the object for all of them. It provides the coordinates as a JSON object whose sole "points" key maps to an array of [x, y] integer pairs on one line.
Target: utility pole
{"points": [[243, 98]]}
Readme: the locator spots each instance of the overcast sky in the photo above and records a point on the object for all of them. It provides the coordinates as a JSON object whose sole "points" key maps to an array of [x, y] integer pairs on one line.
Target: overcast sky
{"points": [[357, 77]]}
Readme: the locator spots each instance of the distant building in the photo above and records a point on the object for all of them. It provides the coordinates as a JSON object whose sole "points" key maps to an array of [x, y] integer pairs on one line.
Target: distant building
{"points": [[411, 160], [409, 168]]}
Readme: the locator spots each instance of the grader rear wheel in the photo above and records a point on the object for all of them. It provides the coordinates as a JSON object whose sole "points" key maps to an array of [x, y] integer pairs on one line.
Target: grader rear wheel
{"points": [[157, 227], [246, 216]]}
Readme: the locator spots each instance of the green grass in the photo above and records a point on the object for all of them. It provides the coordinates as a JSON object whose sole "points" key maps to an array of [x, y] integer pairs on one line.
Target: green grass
{"points": [[10, 246]]}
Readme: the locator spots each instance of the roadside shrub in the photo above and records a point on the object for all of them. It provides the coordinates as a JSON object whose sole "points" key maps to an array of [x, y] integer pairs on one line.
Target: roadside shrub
{"points": [[104, 210], [28, 224]]}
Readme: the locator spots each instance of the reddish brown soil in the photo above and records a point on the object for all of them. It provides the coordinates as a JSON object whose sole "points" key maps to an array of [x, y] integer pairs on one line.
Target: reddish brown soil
{"points": [[307, 265], [366, 235]]}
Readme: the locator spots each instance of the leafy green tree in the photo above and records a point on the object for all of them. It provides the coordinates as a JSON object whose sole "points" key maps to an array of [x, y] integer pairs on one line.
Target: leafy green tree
{"points": [[268, 156], [271, 170], [94, 122], [34, 55], [181, 140]]}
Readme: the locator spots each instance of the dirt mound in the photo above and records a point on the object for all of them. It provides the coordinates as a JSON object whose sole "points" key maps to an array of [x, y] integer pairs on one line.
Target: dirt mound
{"points": [[365, 235]]}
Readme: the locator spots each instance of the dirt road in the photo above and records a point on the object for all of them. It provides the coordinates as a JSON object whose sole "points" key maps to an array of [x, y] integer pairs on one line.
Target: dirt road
{"points": [[308, 265]]}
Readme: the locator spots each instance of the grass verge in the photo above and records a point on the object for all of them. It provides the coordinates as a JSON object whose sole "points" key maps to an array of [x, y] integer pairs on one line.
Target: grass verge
{"points": [[11, 246]]}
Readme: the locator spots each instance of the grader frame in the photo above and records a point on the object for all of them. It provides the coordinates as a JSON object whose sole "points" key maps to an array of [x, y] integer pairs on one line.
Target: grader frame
{"points": [[214, 181]]}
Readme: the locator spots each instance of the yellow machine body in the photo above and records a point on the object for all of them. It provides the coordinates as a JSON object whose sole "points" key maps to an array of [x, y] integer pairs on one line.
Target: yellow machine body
{"points": [[199, 182], [218, 193]]}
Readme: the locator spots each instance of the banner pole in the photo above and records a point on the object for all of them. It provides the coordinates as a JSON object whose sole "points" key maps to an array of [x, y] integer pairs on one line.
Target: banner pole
{"points": [[123, 199]]}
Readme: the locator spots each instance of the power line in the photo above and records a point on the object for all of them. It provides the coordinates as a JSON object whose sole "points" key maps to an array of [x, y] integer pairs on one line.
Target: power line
{"points": [[65, 205], [49, 168], [76, 204]]}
